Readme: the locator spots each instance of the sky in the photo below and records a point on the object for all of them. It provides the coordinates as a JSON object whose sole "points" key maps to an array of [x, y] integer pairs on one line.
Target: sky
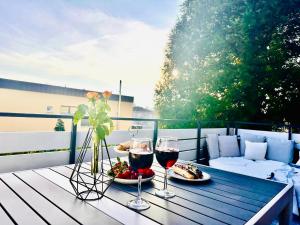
{"points": [[87, 44]]}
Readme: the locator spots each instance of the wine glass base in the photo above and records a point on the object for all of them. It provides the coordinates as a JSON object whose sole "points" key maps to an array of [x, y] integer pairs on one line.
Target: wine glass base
{"points": [[138, 204], [165, 194]]}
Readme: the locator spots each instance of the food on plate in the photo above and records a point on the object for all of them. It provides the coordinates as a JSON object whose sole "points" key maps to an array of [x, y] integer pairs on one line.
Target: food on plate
{"points": [[123, 171], [125, 146], [144, 146], [188, 171]]}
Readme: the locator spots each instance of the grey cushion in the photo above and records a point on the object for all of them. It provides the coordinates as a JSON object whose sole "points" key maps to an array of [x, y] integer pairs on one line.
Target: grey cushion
{"points": [[213, 146], [281, 150], [228, 146], [252, 138]]}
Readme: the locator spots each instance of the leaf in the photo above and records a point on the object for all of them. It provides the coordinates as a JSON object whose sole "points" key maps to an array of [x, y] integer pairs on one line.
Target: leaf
{"points": [[80, 113], [106, 129], [100, 133]]}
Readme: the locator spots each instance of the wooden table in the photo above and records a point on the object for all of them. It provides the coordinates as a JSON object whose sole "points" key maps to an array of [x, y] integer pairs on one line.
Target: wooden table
{"points": [[45, 196]]}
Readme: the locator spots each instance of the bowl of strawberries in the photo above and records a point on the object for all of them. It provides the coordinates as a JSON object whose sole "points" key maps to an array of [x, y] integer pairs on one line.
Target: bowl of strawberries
{"points": [[124, 174]]}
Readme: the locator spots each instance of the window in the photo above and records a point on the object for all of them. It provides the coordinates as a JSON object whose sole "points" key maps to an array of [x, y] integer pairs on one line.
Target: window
{"points": [[67, 109], [49, 109]]}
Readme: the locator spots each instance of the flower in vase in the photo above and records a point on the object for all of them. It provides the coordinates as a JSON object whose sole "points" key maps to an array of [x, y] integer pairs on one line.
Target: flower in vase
{"points": [[98, 116], [92, 95], [106, 94]]}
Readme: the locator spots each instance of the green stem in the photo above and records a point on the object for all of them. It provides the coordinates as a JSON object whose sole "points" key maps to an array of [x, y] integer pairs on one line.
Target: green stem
{"points": [[95, 157]]}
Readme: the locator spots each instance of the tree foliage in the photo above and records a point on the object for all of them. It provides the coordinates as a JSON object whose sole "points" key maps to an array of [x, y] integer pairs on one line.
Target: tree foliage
{"points": [[233, 60], [60, 125]]}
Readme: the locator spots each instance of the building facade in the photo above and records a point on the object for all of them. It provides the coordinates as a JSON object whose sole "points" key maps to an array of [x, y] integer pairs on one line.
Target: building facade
{"points": [[28, 97]]}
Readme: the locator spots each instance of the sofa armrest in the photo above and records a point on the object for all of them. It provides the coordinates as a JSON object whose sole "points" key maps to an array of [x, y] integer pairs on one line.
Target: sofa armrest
{"points": [[294, 165]]}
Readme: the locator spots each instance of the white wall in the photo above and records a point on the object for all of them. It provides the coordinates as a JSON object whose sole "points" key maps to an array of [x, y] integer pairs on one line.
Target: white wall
{"points": [[18, 142]]}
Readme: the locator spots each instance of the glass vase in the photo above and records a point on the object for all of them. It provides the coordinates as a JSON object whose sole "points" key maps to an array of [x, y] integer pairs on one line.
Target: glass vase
{"points": [[95, 158]]}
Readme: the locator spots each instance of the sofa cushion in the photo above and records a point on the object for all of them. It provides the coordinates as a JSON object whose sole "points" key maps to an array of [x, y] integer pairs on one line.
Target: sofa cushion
{"points": [[213, 146], [279, 149], [255, 150], [252, 138], [228, 146], [260, 168]]}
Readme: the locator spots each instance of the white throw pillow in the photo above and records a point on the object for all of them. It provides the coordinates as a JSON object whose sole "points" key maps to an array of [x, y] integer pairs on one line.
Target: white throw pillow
{"points": [[255, 150]]}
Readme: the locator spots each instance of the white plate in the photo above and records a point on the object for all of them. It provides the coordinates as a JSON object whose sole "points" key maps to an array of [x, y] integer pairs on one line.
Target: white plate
{"points": [[132, 181], [205, 177], [120, 152]]}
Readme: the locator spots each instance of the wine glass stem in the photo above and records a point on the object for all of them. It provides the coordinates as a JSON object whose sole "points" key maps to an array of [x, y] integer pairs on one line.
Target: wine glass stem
{"points": [[139, 198], [165, 180]]}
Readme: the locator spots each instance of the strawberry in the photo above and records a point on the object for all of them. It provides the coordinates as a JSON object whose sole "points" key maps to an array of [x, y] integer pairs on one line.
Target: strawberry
{"points": [[148, 172], [120, 175], [127, 174], [141, 171]]}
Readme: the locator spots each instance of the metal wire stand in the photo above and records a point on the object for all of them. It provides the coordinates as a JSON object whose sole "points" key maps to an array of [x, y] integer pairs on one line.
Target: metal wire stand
{"points": [[89, 186]]}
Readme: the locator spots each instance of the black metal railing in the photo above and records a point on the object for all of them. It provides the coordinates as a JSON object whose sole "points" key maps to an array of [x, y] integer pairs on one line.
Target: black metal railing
{"points": [[74, 127], [199, 125]]}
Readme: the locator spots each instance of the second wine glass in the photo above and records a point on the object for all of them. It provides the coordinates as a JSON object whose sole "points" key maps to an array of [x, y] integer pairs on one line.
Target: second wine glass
{"points": [[166, 153]]}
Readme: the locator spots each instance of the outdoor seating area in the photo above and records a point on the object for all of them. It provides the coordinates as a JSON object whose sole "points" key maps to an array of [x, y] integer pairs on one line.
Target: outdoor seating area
{"points": [[171, 112], [275, 162], [240, 189]]}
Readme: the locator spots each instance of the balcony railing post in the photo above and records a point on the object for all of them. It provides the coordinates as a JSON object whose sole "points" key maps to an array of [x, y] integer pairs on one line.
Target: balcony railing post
{"points": [[198, 141], [155, 133], [290, 131], [235, 128], [73, 143], [228, 128]]}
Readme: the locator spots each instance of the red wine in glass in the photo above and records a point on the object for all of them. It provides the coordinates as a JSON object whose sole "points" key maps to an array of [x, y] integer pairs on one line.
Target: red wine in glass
{"points": [[166, 153], [140, 159], [166, 157]]}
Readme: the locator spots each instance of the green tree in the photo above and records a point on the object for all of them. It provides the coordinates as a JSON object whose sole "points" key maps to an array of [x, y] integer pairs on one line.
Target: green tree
{"points": [[232, 60], [60, 125]]}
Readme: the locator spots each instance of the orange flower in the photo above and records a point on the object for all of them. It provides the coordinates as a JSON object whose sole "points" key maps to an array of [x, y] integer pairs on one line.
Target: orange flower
{"points": [[92, 95], [106, 94]]}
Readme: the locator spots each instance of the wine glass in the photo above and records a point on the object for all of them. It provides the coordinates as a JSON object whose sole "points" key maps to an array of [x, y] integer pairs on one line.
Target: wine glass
{"points": [[140, 157], [166, 153], [133, 131]]}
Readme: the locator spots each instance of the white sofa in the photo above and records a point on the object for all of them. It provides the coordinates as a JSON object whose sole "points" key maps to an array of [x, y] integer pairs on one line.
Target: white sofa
{"points": [[260, 168], [279, 155]]}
